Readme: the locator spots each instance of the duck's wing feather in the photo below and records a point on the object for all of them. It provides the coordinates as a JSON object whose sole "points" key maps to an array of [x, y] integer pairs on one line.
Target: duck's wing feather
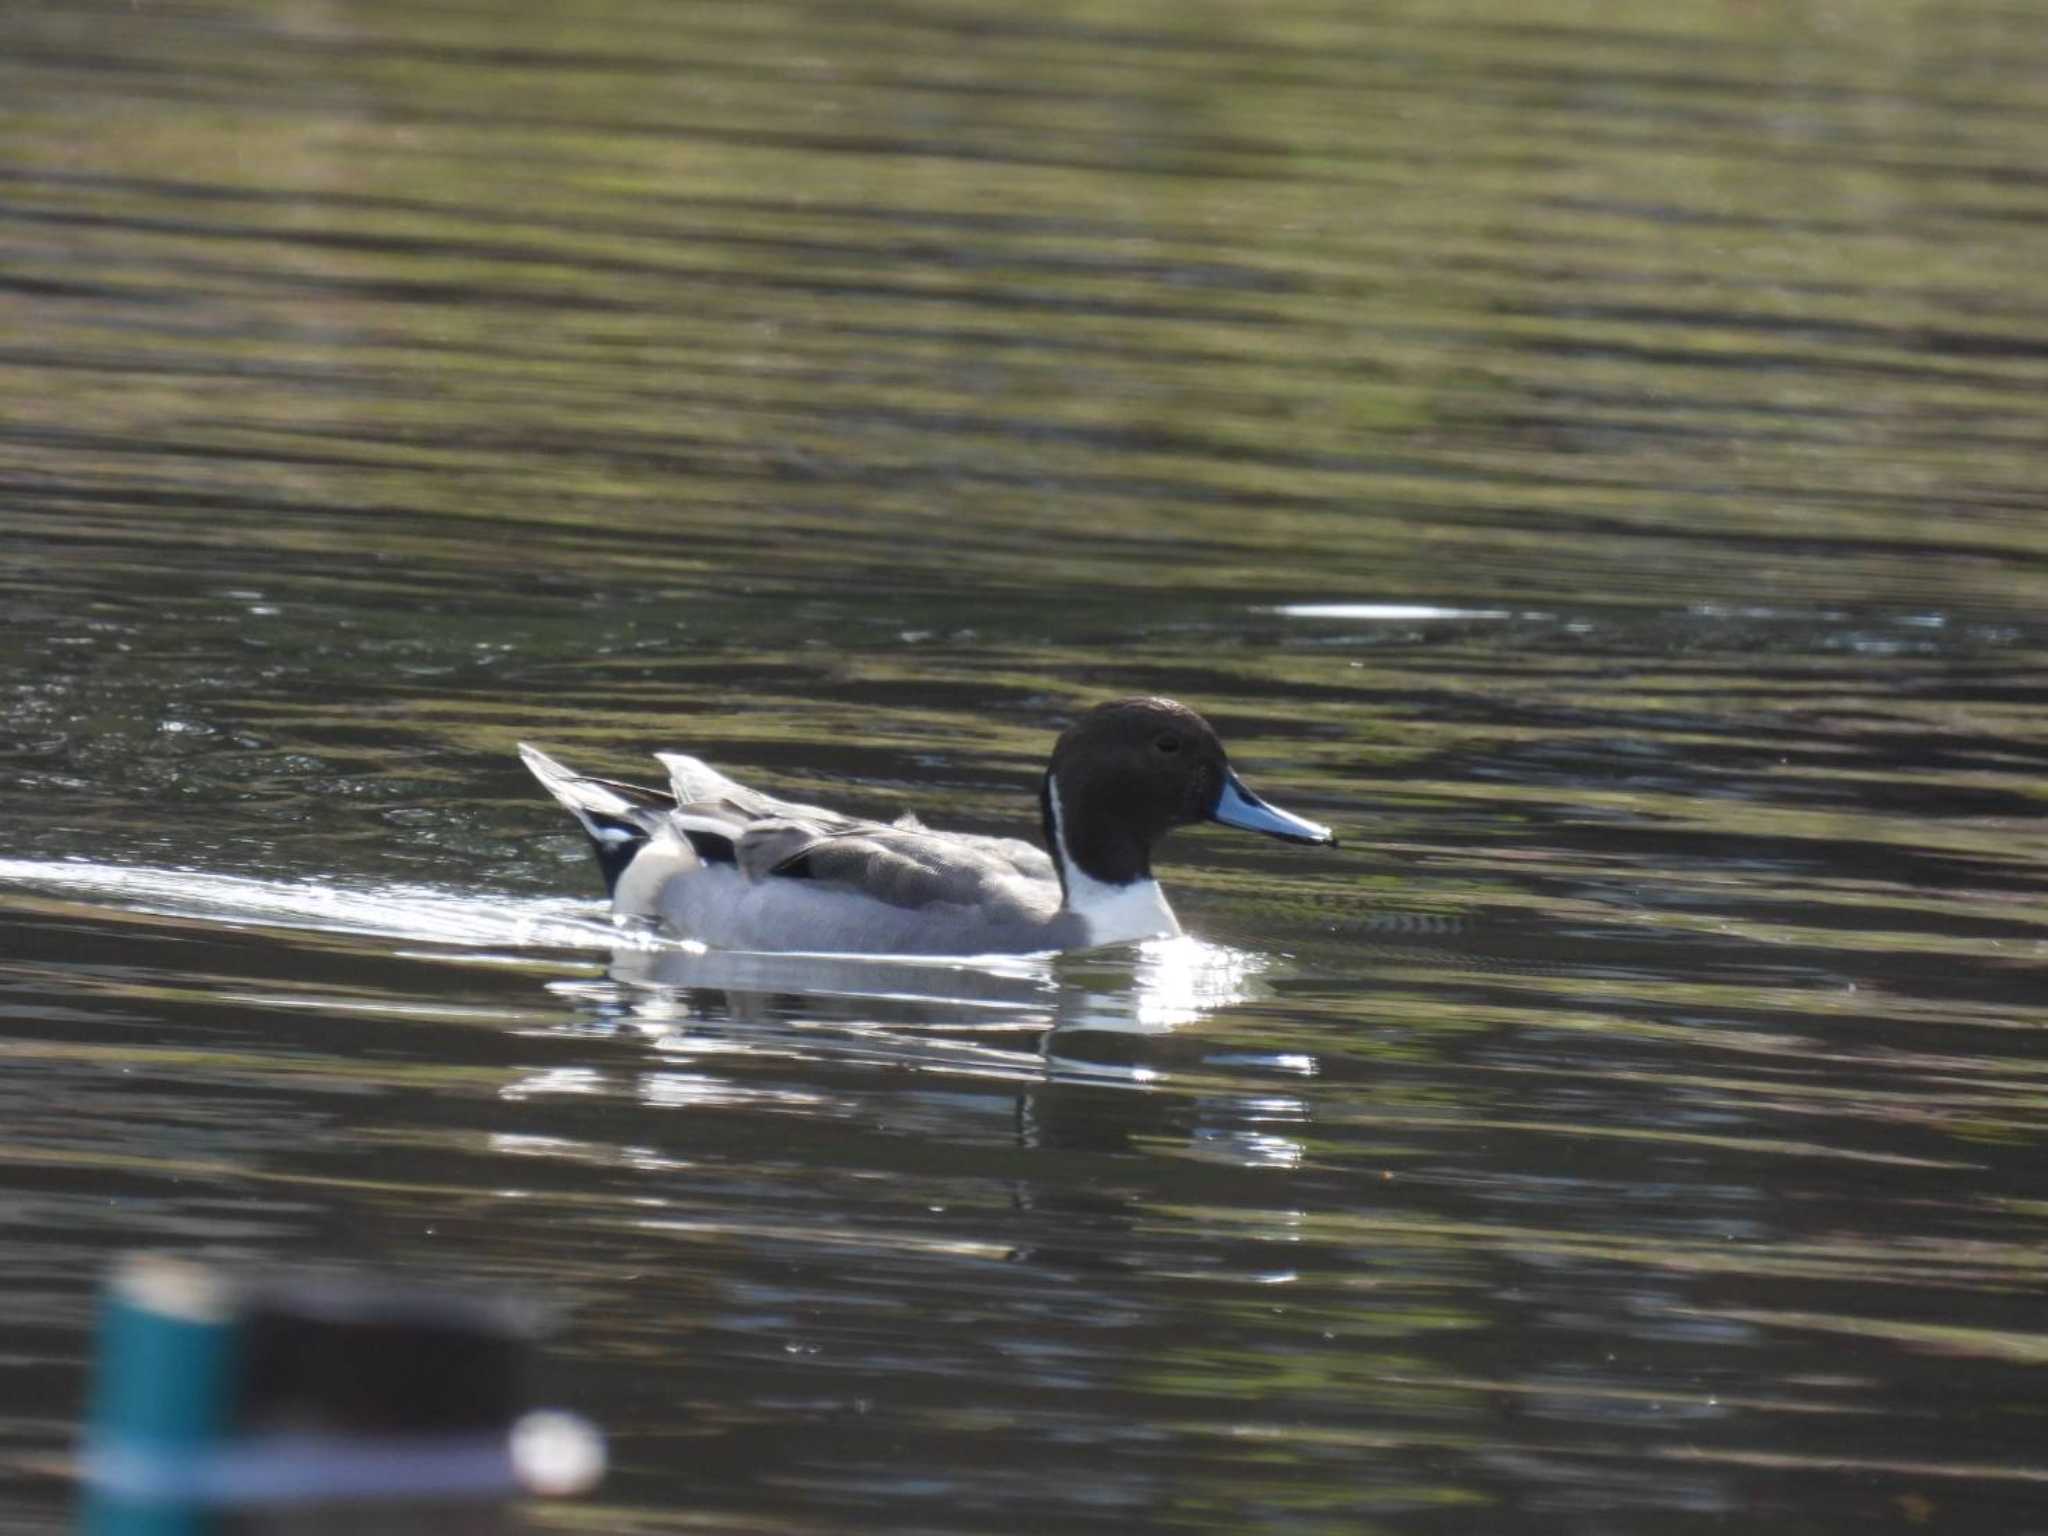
{"points": [[699, 786], [709, 806], [1025, 859], [903, 863], [901, 866]]}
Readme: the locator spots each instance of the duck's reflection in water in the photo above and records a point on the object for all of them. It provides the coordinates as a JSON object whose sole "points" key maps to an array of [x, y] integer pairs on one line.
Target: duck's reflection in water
{"points": [[1135, 991], [1094, 1051]]}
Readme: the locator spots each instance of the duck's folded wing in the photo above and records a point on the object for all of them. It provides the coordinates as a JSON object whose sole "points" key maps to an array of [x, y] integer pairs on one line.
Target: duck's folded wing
{"points": [[900, 866], [1026, 859]]}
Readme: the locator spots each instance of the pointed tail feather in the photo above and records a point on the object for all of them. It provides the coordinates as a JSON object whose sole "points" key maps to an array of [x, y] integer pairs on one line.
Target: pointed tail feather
{"points": [[620, 819]]}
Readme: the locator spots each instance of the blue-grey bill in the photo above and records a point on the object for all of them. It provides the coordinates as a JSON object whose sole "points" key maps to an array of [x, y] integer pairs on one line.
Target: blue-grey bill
{"points": [[1239, 807]]}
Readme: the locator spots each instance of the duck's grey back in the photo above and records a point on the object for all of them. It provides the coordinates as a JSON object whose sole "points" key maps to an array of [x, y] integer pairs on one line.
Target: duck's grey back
{"points": [[803, 877]]}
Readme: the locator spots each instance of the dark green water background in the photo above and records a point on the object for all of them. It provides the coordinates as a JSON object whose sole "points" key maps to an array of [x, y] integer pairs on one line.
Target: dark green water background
{"points": [[1591, 455]]}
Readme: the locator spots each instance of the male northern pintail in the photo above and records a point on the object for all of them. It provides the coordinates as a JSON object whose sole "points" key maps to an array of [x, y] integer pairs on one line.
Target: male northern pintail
{"points": [[736, 869]]}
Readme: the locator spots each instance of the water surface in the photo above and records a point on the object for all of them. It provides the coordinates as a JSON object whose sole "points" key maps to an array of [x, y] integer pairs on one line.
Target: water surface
{"points": [[1592, 463]]}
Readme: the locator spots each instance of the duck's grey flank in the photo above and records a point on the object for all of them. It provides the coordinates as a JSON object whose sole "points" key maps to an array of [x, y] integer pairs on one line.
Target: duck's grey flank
{"points": [[736, 869]]}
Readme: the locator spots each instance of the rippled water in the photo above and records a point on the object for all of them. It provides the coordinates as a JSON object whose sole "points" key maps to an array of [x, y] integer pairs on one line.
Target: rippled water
{"points": [[1592, 460]]}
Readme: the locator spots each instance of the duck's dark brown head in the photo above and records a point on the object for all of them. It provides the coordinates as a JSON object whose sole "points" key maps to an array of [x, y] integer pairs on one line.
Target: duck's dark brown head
{"points": [[1130, 771]]}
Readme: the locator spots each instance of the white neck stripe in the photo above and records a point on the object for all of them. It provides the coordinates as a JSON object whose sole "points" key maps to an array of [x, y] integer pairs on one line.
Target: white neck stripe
{"points": [[1113, 914]]}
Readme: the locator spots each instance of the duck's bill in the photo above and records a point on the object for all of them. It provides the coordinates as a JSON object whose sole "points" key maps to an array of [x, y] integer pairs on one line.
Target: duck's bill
{"points": [[1239, 807]]}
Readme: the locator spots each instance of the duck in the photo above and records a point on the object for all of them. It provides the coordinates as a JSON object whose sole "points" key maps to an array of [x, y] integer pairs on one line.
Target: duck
{"points": [[731, 868]]}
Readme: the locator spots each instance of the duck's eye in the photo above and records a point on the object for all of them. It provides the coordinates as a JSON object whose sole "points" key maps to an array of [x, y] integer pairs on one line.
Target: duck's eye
{"points": [[1168, 744]]}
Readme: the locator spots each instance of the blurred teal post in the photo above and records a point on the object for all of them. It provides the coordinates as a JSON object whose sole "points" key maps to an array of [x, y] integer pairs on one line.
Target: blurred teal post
{"points": [[162, 1399], [315, 1403]]}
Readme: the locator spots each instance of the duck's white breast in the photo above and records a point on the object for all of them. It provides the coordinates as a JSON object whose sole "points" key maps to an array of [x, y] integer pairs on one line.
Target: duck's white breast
{"points": [[1120, 914]]}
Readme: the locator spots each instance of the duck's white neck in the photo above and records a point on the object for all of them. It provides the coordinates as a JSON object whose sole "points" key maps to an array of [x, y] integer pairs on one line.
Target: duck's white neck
{"points": [[1114, 914]]}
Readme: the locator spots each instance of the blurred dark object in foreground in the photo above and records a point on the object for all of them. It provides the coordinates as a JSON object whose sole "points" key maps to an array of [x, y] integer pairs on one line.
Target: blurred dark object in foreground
{"points": [[295, 1404]]}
